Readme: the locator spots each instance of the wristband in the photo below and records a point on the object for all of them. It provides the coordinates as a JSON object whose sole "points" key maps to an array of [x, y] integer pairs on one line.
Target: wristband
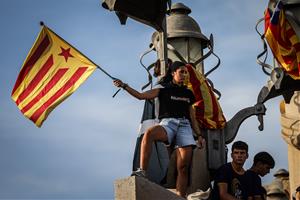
{"points": [[124, 86]]}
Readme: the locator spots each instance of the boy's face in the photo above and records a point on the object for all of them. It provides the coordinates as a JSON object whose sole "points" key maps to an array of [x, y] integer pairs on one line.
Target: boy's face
{"points": [[263, 169], [239, 156]]}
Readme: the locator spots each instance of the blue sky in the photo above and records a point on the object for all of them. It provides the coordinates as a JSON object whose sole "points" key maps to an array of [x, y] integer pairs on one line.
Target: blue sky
{"points": [[88, 141]]}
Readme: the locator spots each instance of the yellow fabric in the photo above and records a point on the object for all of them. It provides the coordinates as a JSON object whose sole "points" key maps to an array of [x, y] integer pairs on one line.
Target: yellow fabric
{"points": [[209, 113], [283, 41], [69, 65]]}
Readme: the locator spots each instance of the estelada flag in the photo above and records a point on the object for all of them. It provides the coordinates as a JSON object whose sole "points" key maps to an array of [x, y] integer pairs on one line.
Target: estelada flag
{"points": [[209, 113], [283, 41], [52, 71]]}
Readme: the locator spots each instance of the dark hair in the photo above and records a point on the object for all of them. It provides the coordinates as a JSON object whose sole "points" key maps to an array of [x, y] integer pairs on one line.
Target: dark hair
{"points": [[168, 77], [239, 145], [175, 65], [265, 158]]}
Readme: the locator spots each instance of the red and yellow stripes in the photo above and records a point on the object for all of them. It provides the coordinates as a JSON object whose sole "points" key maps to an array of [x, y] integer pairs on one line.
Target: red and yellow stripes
{"points": [[52, 71], [29, 63], [283, 41], [208, 111]]}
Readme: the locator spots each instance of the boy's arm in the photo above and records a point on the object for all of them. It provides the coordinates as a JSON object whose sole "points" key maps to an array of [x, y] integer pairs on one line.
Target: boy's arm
{"points": [[224, 195]]}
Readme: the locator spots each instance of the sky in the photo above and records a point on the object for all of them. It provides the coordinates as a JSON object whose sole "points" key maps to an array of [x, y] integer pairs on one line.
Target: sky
{"points": [[88, 141]]}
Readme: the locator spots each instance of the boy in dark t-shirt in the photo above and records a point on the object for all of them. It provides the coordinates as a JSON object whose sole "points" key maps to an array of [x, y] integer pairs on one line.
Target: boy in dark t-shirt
{"points": [[230, 182], [262, 163]]}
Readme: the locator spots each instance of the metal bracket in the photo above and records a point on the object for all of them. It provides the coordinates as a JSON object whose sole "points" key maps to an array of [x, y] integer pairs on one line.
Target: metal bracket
{"points": [[233, 125], [218, 138], [280, 84]]}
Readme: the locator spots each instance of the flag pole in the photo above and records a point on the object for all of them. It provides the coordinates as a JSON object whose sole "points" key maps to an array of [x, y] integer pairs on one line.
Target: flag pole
{"points": [[100, 68]]}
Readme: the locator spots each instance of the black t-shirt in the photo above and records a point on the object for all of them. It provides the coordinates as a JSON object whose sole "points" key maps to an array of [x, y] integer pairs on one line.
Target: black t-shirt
{"points": [[174, 102], [254, 187], [236, 183]]}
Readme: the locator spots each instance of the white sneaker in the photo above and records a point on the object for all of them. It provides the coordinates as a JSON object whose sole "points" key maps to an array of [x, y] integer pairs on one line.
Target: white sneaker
{"points": [[140, 173], [199, 195]]}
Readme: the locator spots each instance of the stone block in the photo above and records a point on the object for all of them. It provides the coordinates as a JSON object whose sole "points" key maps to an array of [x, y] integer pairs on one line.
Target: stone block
{"points": [[137, 188]]}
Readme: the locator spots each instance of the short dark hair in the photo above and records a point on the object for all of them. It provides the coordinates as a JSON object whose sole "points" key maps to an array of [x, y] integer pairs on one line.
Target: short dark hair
{"points": [[239, 145], [265, 158]]}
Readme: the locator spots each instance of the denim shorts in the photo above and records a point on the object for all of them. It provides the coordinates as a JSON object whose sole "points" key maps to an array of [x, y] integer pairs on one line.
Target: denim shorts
{"points": [[179, 131]]}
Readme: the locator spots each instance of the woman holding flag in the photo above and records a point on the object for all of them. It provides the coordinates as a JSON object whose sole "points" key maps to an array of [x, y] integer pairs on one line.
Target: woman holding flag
{"points": [[177, 119]]}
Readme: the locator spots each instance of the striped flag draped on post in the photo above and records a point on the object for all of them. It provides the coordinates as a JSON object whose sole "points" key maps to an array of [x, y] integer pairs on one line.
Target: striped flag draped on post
{"points": [[283, 41], [52, 71], [208, 111]]}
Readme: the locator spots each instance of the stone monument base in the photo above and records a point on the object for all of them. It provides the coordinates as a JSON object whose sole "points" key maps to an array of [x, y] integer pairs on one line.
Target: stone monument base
{"points": [[138, 188]]}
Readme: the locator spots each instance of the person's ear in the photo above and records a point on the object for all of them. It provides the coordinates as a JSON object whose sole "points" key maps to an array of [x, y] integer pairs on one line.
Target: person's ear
{"points": [[247, 155]]}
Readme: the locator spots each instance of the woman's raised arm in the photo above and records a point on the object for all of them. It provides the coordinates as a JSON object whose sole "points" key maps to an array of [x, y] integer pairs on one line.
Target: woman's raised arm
{"points": [[150, 94]]}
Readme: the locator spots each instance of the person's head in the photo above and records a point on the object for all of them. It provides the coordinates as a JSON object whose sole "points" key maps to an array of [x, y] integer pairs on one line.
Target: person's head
{"points": [[179, 72], [263, 162], [239, 152]]}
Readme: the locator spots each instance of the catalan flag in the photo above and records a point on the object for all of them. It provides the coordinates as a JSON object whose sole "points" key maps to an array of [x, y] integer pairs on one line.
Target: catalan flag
{"points": [[283, 41], [208, 111], [52, 71]]}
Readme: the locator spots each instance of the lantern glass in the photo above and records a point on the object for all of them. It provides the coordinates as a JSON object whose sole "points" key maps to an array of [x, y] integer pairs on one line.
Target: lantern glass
{"points": [[189, 48]]}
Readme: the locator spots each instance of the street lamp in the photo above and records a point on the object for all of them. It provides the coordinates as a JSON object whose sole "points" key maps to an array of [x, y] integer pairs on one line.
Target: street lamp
{"points": [[185, 41]]}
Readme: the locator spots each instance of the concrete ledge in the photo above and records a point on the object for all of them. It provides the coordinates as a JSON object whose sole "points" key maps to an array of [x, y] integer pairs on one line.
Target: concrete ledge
{"points": [[137, 188]]}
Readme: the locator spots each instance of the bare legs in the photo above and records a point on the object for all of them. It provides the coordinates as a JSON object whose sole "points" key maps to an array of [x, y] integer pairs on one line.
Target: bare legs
{"points": [[155, 133], [184, 155]]}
